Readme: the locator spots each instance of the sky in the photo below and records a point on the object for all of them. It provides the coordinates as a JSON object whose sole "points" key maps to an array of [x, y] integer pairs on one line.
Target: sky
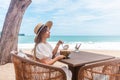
{"points": [[70, 17]]}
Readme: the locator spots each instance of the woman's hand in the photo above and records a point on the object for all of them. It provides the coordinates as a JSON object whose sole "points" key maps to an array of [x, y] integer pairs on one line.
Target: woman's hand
{"points": [[60, 57], [60, 42], [56, 48]]}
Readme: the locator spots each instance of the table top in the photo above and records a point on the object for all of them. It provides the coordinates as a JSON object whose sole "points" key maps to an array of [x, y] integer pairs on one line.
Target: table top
{"points": [[82, 58]]}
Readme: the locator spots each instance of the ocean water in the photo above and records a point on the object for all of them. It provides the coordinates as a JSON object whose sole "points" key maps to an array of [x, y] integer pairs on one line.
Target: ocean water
{"points": [[70, 39]]}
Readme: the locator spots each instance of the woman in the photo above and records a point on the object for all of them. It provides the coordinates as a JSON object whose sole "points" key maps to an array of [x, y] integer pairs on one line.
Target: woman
{"points": [[43, 50]]}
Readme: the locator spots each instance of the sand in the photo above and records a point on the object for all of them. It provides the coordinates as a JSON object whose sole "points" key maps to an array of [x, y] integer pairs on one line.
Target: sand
{"points": [[7, 70]]}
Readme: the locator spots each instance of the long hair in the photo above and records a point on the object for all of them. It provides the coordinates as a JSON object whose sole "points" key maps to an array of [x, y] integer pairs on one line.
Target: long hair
{"points": [[38, 39]]}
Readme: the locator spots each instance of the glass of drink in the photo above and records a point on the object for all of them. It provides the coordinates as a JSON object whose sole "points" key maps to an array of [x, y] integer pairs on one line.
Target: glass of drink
{"points": [[77, 46]]}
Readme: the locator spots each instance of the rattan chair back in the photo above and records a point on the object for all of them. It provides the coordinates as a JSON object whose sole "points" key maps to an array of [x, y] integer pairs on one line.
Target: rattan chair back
{"points": [[28, 69], [104, 70]]}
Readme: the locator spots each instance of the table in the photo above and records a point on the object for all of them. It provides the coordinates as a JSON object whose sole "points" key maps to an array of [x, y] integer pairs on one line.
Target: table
{"points": [[79, 59]]}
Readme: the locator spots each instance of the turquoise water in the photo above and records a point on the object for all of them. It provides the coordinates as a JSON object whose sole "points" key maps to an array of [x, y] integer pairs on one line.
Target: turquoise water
{"points": [[30, 39]]}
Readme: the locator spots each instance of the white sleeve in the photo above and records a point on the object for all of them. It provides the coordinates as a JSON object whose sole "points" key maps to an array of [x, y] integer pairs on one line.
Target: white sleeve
{"points": [[41, 52]]}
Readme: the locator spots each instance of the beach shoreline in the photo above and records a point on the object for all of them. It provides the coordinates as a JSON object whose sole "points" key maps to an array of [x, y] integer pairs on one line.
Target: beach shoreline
{"points": [[84, 45]]}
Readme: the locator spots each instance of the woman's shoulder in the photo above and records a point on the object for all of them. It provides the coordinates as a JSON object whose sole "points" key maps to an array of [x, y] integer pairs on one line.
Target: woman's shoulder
{"points": [[43, 44], [48, 43], [40, 45]]}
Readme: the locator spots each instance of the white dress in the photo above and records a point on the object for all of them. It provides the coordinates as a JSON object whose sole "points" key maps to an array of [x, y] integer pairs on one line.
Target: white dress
{"points": [[44, 50]]}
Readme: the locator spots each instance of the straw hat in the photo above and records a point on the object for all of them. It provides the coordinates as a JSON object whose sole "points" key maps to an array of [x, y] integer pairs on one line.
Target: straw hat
{"points": [[37, 27]]}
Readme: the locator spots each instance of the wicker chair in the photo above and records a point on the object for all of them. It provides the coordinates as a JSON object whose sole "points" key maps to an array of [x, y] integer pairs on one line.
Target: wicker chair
{"points": [[104, 70], [28, 69]]}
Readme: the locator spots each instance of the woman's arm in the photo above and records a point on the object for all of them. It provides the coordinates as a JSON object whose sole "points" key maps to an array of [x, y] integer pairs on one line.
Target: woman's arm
{"points": [[56, 48], [52, 61]]}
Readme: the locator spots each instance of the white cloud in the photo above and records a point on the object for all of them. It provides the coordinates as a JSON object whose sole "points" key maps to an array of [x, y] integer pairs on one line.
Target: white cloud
{"points": [[4, 4], [104, 6]]}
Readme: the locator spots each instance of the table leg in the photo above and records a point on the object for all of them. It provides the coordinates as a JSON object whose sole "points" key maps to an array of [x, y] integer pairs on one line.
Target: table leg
{"points": [[74, 71]]}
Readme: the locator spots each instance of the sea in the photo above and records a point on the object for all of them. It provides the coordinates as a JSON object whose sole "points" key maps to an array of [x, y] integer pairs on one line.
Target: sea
{"points": [[71, 39], [87, 42]]}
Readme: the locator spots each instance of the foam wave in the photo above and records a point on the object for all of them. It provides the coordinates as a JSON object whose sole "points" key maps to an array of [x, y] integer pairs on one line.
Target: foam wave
{"points": [[85, 45]]}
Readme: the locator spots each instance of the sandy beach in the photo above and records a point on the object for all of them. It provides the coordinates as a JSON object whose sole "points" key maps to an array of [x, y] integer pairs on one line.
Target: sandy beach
{"points": [[7, 70]]}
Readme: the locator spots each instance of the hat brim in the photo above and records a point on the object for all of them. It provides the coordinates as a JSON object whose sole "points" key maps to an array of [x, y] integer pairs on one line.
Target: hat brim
{"points": [[49, 24]]}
